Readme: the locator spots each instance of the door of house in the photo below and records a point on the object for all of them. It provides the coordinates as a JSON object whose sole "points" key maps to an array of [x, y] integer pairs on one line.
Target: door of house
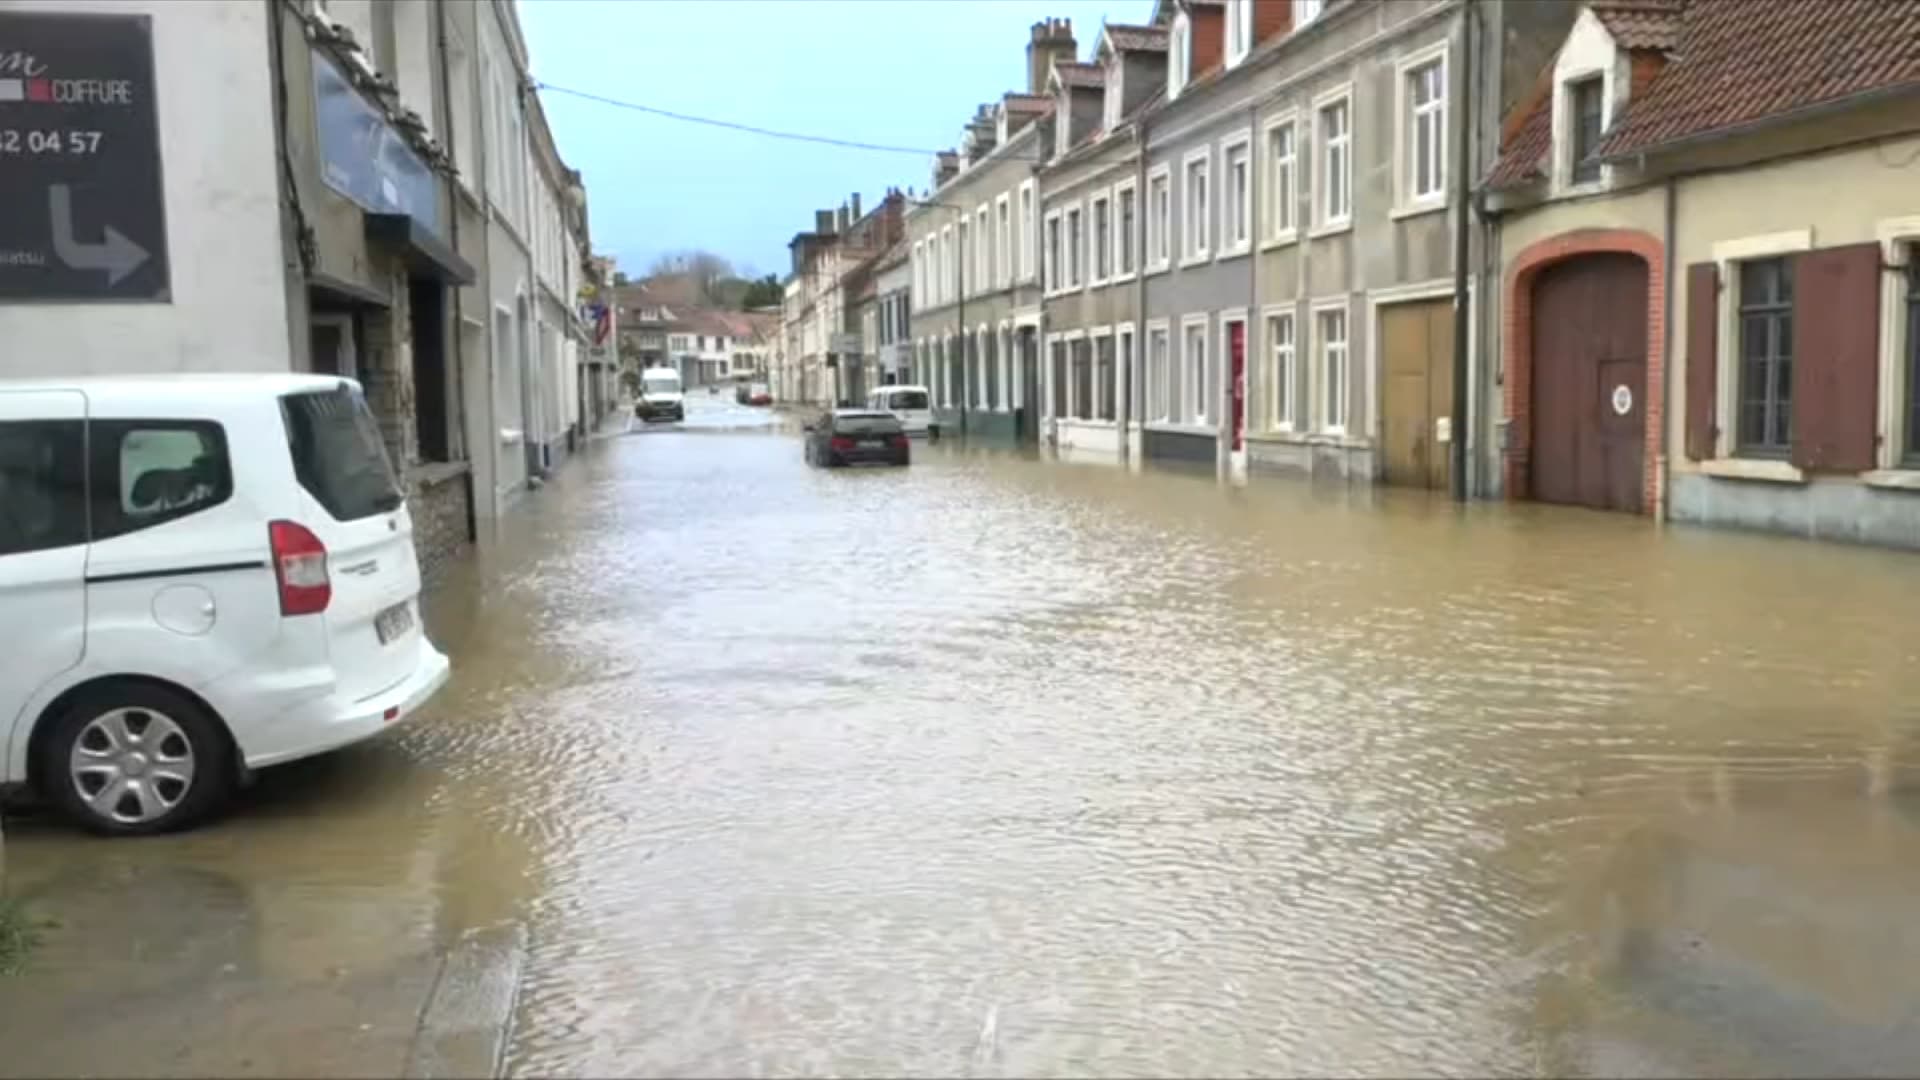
{"points": [[1237, 384], [1589, 382], [1030, 384], [1416, 344]]}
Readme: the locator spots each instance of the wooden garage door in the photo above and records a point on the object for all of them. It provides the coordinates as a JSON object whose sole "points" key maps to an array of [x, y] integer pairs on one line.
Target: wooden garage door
{"points": [[1416, 343], [1589, 382]]}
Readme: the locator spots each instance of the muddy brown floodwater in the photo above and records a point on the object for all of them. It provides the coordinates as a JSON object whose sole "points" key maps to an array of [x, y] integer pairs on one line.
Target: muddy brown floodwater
{"points": [[999, 767]]}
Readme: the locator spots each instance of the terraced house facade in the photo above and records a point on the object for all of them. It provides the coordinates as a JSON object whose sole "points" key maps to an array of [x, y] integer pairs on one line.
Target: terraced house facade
{"points": [[976, 296], [1708, 216]]}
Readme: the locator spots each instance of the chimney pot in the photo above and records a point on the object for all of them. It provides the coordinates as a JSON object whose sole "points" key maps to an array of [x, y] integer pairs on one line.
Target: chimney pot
{"points": [[856, 206]]}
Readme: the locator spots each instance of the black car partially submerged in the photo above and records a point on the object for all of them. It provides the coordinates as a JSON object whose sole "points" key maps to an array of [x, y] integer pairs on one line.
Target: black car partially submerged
{"points": [[856, 437]]}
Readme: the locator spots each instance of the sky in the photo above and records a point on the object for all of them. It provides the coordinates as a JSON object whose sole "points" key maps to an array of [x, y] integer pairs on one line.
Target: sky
{"points": [[899, 72]]}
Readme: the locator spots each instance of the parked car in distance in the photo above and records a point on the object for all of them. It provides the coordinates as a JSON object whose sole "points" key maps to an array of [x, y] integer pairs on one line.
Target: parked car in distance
{"points": [[856, 437], [758, 394], [912, 404], [661, 396], [219, 575]]}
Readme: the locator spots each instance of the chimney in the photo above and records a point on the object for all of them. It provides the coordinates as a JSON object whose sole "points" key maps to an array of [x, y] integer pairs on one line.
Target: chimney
{"points": [[1051, 41], [856, 206], [840, 221], [823, 222], [946, 165]]}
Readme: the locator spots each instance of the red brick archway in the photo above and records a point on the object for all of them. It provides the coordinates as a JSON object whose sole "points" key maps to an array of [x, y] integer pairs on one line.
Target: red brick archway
{"points": [[1518, 336]]}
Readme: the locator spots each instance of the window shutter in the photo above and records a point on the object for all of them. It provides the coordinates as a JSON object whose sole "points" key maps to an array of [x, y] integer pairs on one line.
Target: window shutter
{"points": [[1703, 361], [1836, 357]]}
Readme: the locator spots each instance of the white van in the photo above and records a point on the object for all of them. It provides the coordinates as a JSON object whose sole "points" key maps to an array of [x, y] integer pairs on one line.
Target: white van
{"points": [[912, 404], [661, 396], [200, 576]]}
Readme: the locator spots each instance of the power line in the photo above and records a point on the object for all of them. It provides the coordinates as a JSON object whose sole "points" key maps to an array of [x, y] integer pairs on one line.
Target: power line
{"points": [[749, 128]]}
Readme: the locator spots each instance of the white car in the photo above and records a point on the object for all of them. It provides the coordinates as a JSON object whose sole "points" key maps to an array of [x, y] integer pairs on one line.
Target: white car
{"points": [[200, 576], [912, 404]]}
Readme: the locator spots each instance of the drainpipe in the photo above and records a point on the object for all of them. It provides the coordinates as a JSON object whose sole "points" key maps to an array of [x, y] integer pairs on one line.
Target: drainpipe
{"points": [[1245, 416], [960, 283], [1660, 490], [1125, 374], [1462, 214], [1140, 334], [457, 347]]}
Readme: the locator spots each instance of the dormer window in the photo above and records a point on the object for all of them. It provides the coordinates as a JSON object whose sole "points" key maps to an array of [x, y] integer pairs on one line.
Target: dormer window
{"points": [[1585, 99], [1062, 127], [1239, 30], [1000, 127], [1113, 93], [1179, 55], [1305, 11]]}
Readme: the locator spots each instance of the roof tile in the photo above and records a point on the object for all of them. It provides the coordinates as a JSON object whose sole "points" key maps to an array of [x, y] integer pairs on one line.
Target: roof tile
{"points": [[1740, 61]]}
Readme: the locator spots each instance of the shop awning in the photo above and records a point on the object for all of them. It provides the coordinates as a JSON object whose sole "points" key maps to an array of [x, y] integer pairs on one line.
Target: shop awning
{"points": [[426, 253]]}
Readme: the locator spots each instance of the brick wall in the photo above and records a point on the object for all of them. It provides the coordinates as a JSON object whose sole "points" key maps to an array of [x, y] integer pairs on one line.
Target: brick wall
{"points": [[1517, 336]]}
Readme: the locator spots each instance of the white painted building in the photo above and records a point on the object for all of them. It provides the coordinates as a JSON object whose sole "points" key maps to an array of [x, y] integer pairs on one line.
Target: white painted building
{"points": [[440, 268]]}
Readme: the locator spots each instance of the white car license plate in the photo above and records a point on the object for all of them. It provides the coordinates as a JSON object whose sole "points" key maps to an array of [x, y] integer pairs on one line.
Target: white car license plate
{"points": [[873, 444], [393, 622]]}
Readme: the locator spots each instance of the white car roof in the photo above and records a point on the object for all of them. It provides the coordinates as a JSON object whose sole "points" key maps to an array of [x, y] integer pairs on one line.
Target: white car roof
{"points": [[899, 388], [118, 390]]}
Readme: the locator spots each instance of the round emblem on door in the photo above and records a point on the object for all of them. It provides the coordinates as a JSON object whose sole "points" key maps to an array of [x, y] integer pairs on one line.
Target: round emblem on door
{"points": [[1622, 400]]}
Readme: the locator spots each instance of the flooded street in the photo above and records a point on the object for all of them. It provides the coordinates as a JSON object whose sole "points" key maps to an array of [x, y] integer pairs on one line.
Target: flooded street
{"points": [[998, 767]]}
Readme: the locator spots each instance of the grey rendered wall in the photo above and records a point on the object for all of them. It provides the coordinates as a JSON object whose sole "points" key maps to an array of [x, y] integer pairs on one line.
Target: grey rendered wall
{"points": [[1837, 509]]}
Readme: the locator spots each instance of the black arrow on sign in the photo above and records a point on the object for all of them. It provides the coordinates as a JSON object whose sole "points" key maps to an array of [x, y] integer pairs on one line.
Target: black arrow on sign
{"points": [[116, 254]]}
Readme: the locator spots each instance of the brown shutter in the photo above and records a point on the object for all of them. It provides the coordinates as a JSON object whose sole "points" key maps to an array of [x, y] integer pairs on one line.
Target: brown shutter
{"points": [[1836, 357], [1703, 361]]}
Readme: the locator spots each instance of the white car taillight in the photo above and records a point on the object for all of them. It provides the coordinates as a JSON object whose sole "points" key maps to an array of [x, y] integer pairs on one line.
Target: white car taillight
{"points": [[300, 566]]}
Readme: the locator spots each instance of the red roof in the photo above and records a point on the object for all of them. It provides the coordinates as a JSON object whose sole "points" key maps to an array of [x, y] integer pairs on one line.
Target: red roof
{"points": [[1707, 67], [1740, 61]]}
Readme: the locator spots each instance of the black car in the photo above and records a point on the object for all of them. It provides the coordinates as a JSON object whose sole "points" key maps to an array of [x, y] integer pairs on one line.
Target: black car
{"points": [[856, 437]]}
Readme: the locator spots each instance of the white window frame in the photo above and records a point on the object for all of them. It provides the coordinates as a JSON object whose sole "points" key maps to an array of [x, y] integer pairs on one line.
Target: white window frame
{"points": [[1326, 223], [1094, 336], [1076, 245], [983, 256], [947, 250], [1050, 268], [1003, 239], [1563, 127], [1406, 120], [963, 256], [1317, 381], [1228, 247], [1239, 31], [1157, 230], [1280, 230], [1125, 340], [1026, 210], [1305, 11], [1155, 397], [1727, 257], [1899, 248], [1094, 252], [1198, 387], [1280, 370], [1179, 55], [1124, 270], [1196, 237], [919, 271]]}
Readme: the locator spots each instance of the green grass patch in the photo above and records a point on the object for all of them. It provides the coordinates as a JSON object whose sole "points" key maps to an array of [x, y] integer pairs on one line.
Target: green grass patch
{"points": [[18, 936]]}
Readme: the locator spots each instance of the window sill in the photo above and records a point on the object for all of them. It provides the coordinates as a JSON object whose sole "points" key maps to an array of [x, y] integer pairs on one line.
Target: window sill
{"points": [[1417, 209], [1157, 268], [1331, 229], [1893, 479], [1188, 261], [1309, 438], [1120, 279], [1171, 428], [1771, 472], [1098, 283], [1234, 252], [1285, 239]]}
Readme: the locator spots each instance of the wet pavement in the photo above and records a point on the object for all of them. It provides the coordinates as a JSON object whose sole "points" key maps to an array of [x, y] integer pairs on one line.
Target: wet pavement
{"points": [[998, 767]]}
